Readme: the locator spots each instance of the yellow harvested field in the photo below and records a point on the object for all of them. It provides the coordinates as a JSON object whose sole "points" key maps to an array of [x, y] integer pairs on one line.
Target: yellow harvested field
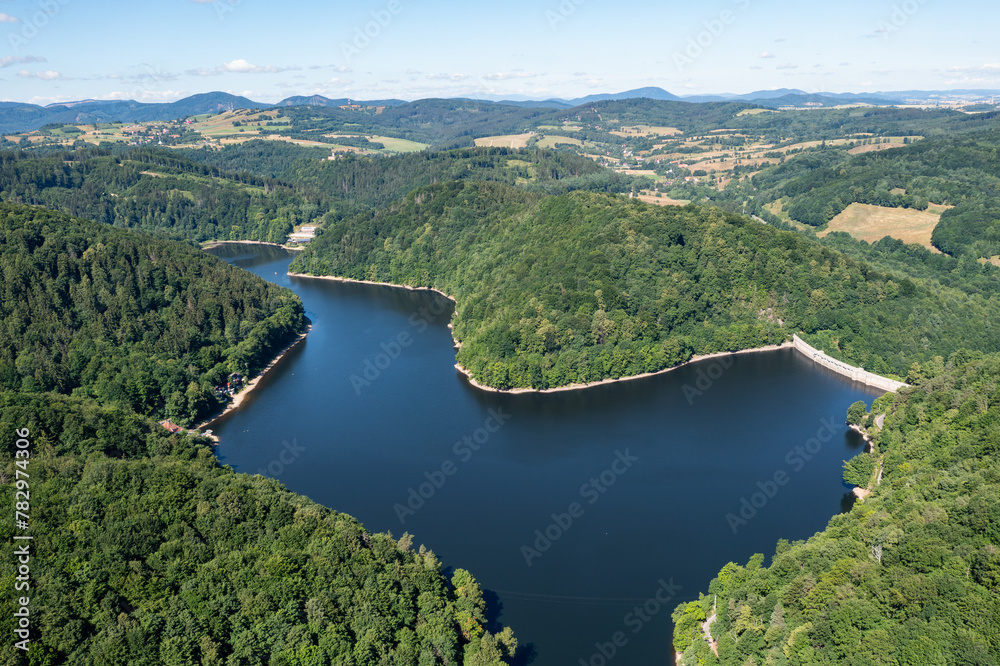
{"points": [[871, 223], [553, 141], [647, 130], [663, 201], [510, 140], [394, 145]]}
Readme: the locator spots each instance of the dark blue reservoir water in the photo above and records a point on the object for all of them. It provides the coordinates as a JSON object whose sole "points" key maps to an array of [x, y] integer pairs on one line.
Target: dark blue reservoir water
{"points": [[576, 511]]}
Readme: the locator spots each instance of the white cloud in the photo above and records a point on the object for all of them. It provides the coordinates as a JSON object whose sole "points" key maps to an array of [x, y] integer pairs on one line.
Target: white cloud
{"points": [[7, 61], [147, 95], [504, 76], [47, 75], [7, 18], [756, 67], [240, 66], [766, 54], [787, 65], [989, 67], [448, 77]]}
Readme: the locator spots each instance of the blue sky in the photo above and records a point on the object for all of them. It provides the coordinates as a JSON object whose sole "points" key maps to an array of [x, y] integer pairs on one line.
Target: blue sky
{"points": [[162, 50]]}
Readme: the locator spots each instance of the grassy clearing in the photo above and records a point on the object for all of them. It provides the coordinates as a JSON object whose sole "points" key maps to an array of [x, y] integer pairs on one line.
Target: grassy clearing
{"points": [[647, 130], [509, 140], [663, 200], [553, 141], [871, 223], [393, 145]]}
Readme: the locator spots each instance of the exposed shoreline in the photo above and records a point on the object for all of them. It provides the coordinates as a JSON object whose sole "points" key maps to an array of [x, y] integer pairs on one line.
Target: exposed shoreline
{"points": [[795, 342], [377, 284], [213, 244], [571, 387], [252, 384], [614, 380]]}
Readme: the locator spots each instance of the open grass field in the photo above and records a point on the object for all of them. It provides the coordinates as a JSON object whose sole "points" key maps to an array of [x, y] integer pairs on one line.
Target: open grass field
{"points": [[871, 223], [646, 130], [553, 141], [393, 145], [662, 200], [509, 140]]}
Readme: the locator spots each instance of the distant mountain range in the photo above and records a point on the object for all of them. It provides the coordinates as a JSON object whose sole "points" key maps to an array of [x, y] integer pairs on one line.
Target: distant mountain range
{"points": [[21, 117]]}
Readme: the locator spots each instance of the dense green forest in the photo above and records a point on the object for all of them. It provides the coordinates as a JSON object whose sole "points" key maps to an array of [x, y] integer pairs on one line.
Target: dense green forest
{"points": [[262, 189], [911, 576], [163, 556], [127, 319], [157, 190], [555, 290], [360, 181], [144, 549]]}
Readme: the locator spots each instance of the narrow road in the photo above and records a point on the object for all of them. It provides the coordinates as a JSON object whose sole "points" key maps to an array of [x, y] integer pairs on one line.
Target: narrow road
{"points": [[706, 627]]}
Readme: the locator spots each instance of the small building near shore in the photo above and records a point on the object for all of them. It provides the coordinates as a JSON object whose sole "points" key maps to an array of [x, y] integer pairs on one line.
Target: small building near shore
{"points": [[171, 426]]}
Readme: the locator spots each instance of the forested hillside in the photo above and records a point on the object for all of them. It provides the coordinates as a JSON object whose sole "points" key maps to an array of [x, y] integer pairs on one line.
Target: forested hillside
{"points": [[143, 549], [157, 191], [244, 193], [146, 551], [555, 290], [911, 576], [128, 319], [360, 181]]}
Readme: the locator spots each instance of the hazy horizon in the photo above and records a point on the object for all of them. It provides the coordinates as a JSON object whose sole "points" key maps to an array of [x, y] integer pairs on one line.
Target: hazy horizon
{"points": [[59, 50]]}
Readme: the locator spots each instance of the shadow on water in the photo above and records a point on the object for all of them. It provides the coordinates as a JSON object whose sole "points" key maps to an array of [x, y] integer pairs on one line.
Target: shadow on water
{"points": [[494, 609], [526, 654]]}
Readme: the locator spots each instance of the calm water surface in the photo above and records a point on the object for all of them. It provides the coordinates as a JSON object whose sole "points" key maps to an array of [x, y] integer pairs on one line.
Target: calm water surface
{"points": [[630, 485]]}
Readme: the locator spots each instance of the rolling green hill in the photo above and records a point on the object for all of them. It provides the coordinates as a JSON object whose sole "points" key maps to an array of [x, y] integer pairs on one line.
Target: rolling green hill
{"points": [[556, 290], [128, 319]]}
